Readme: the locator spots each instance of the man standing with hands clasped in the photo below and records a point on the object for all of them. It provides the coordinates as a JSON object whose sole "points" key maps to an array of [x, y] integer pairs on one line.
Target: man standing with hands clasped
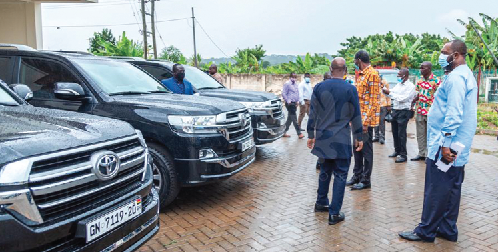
{"points": [[452, 121], [334, 105], [368, 86], [402, 95], [290, 93]]}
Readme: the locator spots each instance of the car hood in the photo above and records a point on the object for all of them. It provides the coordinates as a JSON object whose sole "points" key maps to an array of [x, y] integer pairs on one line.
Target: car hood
{"points": [[238, 95], [175, 104], [29, 131]]}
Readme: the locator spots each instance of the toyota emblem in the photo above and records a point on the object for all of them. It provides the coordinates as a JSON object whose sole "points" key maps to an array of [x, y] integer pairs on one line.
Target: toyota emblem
{"points": [[105, 164]]}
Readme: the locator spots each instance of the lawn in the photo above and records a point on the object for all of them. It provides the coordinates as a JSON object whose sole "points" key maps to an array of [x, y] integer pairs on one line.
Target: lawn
{"points": [[487, 117]]}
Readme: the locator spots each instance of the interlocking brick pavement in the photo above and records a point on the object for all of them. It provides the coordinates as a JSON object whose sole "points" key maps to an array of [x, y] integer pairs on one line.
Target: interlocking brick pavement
{"points": [[269, 206]]}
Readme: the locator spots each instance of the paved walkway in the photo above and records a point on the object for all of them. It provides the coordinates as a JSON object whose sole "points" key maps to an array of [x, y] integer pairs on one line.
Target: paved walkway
{"points": [[269, 206]]}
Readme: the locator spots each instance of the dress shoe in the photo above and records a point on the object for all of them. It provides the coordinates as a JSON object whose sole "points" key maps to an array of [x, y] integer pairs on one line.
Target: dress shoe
{"points": [[381, 141], [375, 140], [392, 155], [352, 182], [321, 208], [301, 136], [286, 135], [361, 186], [400, 159], [418, 158], [409, 235], [334, 219]]}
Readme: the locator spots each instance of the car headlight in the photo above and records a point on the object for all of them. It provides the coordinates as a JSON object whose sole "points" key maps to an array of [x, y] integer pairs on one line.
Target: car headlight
{"points": [[194, 124], [252, 106], [15, 173]]}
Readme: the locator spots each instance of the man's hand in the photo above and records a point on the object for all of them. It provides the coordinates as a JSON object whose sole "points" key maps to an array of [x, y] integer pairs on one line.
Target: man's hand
{"points": [[388, 108], [386, 90], [358, 145], [448, 155], [365, 129], [311, 143]]}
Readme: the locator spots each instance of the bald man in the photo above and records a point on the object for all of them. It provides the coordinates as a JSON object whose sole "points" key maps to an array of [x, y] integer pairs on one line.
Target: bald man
{"points": [[213, 72], [402, 95], [334, 105]]}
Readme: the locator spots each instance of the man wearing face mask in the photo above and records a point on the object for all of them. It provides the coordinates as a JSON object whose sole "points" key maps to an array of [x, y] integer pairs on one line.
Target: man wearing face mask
{"points": [[305, 91], [452, 119], [368, 86], [177, 84], [290, 93], [402, 95]]}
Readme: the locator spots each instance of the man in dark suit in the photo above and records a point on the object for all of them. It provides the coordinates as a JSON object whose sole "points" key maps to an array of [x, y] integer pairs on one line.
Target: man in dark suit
{"points": [[334, 105]]}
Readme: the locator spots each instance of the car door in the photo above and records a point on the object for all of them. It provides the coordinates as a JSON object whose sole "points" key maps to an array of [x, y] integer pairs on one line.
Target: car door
{"points": [[41, 75], [6, 69]]}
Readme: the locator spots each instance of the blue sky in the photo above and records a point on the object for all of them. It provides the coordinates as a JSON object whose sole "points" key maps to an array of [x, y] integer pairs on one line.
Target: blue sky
{"points": [[281, 26]]}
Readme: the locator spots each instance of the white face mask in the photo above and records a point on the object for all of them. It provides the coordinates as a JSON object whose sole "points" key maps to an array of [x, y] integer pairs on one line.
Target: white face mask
{"points": [[443, 60]]}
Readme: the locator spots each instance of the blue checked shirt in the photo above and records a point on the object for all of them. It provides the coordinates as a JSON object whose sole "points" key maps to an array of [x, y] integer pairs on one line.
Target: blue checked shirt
{"points": [[453, 115]]}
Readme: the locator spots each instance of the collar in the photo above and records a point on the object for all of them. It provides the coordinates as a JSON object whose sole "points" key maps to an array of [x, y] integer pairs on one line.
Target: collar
{"points": [[366, 70]]}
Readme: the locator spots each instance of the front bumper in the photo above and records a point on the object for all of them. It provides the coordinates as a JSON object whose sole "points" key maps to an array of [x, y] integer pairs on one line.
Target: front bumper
{"points": [[204, 171], [61, 237], [267, 129]]}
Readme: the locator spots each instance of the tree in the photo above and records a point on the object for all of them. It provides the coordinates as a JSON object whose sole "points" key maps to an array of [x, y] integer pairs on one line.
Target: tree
{"points": [[173, 54], [96, 42], [123, 47]]}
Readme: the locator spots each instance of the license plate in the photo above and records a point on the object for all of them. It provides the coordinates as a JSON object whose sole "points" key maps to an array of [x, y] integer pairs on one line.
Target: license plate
{"points": [[107, 222], [247, 144]]}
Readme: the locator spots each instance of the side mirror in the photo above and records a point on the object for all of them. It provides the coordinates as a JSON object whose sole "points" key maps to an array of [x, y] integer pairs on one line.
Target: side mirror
{"points": [[22, 90], [69, 91]]}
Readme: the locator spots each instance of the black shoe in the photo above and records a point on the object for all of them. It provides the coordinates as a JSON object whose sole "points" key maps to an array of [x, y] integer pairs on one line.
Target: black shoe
{"points": [[418, 158], [321, 208], [361, 186], [352, 182], [375, 140], [334, 219], [381, 141], [400, 159], [393, 155], [409, 235]]}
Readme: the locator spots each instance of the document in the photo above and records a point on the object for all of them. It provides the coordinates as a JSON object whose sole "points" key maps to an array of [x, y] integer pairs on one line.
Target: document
{"points": [[455, 147]]}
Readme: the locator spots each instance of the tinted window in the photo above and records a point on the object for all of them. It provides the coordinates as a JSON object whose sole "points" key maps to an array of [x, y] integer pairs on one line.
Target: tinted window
{"points": [[41, 75], [200, 80], [158, 72], [5, 68]]}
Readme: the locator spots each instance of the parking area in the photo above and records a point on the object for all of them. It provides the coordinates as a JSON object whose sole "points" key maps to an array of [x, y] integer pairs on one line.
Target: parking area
{"points": [[269, 206]]}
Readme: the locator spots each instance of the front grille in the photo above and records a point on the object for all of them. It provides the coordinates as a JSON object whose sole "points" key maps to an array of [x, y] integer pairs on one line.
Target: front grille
{"points": [[276, 108], [64, 184], [238, 125]]}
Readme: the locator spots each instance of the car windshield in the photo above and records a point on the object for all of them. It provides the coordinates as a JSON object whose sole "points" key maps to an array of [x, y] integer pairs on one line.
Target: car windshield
{"points": [[6, 98], [391, 78], [200, 80], [120, 78]]}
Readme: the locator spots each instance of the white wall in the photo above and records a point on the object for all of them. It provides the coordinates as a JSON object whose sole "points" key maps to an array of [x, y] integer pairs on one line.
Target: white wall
{"points": [[20, 23]]}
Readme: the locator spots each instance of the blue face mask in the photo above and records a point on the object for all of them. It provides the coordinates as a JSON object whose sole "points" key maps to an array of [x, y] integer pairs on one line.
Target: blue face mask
{"points": [[307, 79], [356, 67], [443, 60], [400, 79]]}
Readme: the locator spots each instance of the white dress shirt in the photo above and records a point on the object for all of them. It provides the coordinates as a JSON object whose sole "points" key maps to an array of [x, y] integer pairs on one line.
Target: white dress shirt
{"points": [[305, 92], [402, 95]]}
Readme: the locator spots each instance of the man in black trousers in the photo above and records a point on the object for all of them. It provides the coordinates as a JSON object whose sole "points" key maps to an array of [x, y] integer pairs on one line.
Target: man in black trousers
{"points": [[334, 105]]}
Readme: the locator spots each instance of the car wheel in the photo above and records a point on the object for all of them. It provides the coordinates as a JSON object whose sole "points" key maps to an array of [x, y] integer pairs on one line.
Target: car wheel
{"points": [[164, 174]]}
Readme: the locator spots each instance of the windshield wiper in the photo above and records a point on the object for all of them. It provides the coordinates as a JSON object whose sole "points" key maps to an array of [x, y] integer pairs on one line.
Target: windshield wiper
{"points": [[129, 93], [160, 92], [209, 88], [9, 104]]}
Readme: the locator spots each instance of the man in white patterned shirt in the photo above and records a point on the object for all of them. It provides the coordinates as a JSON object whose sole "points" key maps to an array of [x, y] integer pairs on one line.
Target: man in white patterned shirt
{"points": [[402, 95]]}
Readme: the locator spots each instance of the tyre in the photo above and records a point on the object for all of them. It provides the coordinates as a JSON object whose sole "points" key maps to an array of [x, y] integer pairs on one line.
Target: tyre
{"points": [[164, 173]]}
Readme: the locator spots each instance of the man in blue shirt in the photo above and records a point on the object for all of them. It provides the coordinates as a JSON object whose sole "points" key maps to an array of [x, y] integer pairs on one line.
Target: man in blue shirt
{"points": [[334, 105], [177, 84], [451, 119]]}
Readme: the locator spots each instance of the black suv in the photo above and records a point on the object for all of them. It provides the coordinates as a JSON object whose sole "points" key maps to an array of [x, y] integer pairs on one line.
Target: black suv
{"points": [[193, 140], [265, 108], [72, 182]]}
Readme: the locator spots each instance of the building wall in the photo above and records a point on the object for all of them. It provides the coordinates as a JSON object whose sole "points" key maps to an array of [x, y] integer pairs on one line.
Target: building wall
{"points": [[272, 83], [20, 23]]}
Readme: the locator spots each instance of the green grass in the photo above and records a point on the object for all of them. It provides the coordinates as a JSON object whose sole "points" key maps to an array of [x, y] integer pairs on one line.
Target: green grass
{"points": [[487, 117]]}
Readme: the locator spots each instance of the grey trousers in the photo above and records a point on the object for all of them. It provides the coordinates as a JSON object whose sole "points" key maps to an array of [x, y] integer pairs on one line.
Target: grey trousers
{"points": [[380, 131], [422, 134]]}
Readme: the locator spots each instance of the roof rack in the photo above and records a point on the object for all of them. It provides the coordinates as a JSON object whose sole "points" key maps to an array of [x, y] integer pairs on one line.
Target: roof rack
{"points": [[126, 58], [15, 47], [68, 52]]}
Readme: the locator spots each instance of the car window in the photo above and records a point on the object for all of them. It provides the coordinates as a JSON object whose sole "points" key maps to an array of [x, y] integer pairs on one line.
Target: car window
{"points": [[158, 72], [5, 68], [200, 80], [41, 75], [6, 98], [392, 79]]}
